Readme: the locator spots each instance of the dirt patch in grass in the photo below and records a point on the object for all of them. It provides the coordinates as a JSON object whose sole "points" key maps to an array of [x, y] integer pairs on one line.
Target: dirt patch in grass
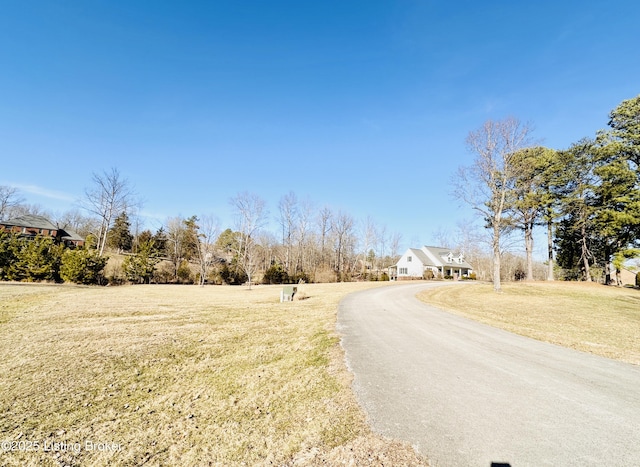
{"points": [[589, 317], [179, 375]]}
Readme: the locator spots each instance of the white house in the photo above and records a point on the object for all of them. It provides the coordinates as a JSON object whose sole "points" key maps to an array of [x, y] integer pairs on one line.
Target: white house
{"points": [[441, 261]]}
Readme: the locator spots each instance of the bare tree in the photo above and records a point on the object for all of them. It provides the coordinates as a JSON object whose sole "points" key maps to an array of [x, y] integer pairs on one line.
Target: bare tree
{"points": [[288, 210], [251, 215], [443, 237], [207, 231], [396, 238], [302, 233], [382, 240], [325, 222], [9, 198], [75, 220], [110, 196], [487, 183], [176, 242], [369, 242], [342, 228]]}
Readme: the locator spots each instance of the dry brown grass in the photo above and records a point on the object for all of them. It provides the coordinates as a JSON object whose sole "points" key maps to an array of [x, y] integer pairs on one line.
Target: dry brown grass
{"points": [[180, 375], [589, 317]]}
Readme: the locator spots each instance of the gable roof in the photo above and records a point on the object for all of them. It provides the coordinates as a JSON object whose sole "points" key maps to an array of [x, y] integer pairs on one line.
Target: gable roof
{"points": [[442, 253], [71, 235], [30, 220], [421, 256], [437, 257]]}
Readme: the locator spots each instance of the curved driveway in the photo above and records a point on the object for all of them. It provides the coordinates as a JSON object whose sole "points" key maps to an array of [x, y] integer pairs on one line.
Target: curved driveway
{"points": [[466, 394]]}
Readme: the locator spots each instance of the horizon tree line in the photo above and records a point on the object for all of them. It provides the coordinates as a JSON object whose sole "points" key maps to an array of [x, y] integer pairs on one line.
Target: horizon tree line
{"points": [[313, 245], [587, 197]]}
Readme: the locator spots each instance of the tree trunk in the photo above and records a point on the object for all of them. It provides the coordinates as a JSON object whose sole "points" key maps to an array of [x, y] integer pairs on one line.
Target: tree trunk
{"points": [[607, 263], [550, 276], [585, 255], [528, 245], [496, 258]]}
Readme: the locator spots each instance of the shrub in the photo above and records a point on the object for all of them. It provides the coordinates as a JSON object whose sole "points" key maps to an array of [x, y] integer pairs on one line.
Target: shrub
{"points": [[36, 259], [184, 272], [275, 275], [8, 251], [232, 275], [141, 266], [82, 266], [300, 276]]}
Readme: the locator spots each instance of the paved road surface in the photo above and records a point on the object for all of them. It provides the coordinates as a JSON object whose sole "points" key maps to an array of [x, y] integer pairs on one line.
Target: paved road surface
{"points": [[466, 394]]}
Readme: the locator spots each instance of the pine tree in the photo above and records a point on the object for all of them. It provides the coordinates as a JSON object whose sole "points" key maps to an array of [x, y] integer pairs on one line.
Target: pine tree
{"points": [[120, 237]]}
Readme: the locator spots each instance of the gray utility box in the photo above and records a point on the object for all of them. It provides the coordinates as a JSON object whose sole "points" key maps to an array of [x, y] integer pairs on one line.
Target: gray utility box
{"points": [[287, 293]]}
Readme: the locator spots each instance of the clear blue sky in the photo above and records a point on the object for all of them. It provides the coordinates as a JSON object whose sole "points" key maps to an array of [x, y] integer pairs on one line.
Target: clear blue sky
{"points": [[363, 106]]}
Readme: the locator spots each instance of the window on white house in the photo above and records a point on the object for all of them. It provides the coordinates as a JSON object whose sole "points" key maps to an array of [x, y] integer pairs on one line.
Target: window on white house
{"points": [[408, 259], [403, 271]]}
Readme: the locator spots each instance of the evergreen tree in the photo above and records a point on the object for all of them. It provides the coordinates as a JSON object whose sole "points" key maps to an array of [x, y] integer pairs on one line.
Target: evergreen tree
{"points": [[142, 237], [120, 237], [624, 122], [618, 193], [36, 259], [160, 242], [530, 197], [8, 251], [140, 267], [578, 206], [82, 266]]}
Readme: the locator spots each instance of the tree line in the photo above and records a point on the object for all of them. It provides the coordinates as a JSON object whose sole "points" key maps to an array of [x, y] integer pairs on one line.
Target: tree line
{"points": [[310, 244], [587, 196]]}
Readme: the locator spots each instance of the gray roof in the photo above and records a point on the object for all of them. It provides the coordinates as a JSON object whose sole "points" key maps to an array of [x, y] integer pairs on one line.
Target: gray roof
{"points": [[29, 220], [424, 259], [443, 252], [71, 235]]}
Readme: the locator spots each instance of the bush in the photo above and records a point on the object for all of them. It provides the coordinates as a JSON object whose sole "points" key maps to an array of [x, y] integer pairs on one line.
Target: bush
{"points": [[141, 267], [8, 250], [82, 266], [428, 275], [36, 259], [163, 273], [232, 275], [275, 275], [638, 279], [184, 273], [300, 276]]}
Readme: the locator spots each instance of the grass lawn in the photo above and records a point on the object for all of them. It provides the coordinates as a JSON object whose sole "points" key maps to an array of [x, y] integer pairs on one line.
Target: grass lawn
{"points": [[589, 317], [179, 375]]}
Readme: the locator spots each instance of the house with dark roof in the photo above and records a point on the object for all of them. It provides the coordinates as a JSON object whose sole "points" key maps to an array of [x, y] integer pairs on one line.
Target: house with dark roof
{"points": [[30, 226], [440, 261]]}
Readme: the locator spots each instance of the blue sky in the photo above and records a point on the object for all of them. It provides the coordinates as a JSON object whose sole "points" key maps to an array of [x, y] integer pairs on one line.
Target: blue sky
{"points": [[363, 106]]}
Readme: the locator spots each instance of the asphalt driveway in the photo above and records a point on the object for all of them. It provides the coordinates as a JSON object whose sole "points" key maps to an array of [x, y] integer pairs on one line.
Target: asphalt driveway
{"points": [[467, 394]]}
